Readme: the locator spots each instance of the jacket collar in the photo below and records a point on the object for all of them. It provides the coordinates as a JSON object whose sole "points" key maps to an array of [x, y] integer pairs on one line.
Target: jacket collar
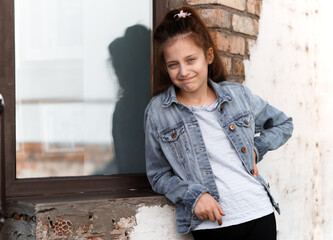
{"points": [[169, 96]]}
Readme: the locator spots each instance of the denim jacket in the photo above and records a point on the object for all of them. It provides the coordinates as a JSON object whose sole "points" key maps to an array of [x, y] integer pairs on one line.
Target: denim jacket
{"points": [[176, 159]]}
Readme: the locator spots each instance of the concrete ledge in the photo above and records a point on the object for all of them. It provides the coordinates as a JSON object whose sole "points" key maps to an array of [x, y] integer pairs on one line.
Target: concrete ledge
{"points": [[124, 218]]}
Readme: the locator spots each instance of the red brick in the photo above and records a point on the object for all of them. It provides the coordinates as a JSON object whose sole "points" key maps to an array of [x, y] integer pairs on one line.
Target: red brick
{"points": [[215, 36], [227, 64], [224, 42], [37, 147], [254, 7], [245, 25], [216, 17], [249, 44], [236, 4], [237, 45], [221, 40], [63, 227], [238, 67]]}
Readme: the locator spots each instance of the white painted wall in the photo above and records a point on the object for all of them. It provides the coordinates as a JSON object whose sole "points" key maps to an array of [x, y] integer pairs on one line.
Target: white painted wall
{"points": [[157, 222], [290, 67], [325, 110]]}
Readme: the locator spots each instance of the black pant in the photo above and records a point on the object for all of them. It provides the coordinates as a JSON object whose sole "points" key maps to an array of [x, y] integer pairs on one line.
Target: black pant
{"points": [[263, 228]]}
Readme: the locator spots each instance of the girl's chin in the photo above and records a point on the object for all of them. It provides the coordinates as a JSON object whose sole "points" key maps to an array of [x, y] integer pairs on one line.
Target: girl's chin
{"points": [[188, 89]]}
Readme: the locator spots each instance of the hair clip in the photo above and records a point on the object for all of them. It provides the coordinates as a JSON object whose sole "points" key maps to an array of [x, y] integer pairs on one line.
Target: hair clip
{"points": [[182, 14]]}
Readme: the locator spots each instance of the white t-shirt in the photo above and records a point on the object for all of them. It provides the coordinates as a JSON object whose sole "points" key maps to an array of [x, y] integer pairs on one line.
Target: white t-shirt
{"points": [[242, 197]]}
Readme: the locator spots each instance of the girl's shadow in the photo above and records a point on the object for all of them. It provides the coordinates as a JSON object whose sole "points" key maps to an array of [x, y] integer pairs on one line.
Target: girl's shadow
{"points": [[130, 57]]}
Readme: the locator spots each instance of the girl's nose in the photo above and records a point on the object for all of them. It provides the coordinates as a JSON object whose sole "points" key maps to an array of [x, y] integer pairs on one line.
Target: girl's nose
{"points": [[183, 71]]}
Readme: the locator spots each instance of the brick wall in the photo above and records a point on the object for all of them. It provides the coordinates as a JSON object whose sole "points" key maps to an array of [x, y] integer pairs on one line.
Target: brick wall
{"points": [[35, 159], [234, 28]]}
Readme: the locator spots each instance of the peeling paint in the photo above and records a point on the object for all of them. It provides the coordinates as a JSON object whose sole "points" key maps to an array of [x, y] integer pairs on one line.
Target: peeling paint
{"points": [[150, 224], [119, 219]]}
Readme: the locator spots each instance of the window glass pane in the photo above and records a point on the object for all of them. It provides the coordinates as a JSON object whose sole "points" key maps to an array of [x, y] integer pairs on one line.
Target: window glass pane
{"points": [[82, 84]]}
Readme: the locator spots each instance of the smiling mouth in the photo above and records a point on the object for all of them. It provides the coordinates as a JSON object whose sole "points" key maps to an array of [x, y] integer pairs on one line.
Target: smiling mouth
{"points": [[186, 79]]}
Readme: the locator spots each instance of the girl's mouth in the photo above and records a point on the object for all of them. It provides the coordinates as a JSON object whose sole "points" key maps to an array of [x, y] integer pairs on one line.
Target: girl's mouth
{"points": [[186, 79]]}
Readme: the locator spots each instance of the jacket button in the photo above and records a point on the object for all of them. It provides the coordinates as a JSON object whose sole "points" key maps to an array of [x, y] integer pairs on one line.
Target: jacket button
{"points": [[232, 127], [173, 135], [246, 122], [243, 149], [222, 107]]}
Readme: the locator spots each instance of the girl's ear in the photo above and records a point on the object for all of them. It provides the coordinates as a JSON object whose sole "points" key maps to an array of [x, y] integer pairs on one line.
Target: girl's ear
{"points": [[210, 55]]}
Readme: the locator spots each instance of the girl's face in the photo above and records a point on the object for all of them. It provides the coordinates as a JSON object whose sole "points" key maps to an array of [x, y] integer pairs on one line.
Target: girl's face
{"points": [[187, 64]]}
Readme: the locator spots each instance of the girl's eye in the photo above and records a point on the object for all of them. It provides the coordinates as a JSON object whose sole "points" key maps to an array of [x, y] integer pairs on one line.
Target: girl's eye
{"points": [[191, 60], [172, 65]]}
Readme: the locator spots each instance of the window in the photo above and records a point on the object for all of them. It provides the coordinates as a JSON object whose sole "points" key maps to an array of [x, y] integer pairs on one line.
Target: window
{"points": [[68, 74]]}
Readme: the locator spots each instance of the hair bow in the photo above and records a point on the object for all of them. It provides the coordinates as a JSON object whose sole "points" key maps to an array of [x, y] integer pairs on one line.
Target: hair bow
{"points": [[182, 14]]}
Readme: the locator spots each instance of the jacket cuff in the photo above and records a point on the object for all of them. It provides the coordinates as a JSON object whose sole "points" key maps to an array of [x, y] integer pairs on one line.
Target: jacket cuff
{"points": [[260, 147], [192, 195]]}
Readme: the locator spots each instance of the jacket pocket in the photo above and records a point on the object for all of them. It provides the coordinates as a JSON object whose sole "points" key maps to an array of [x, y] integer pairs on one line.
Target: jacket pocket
{"points": [[172, 134], [244, 121], [246, 124], [175, 137]]}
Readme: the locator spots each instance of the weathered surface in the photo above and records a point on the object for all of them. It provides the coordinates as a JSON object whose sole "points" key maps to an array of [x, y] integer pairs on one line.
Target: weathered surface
{"points": [[290, 67], [20, 222], [236, 4], [245, 25], [161, 222], [135, 218], [254, 6], [237, 45], [216, 17], [176, 4]]}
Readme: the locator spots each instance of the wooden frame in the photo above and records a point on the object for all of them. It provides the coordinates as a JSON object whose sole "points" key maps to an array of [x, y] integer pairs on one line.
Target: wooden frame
{"points": [[60, 187], [2, 167]]}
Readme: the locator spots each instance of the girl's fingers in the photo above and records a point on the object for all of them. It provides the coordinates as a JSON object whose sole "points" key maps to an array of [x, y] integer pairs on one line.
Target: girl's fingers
{"points": [[218, 217], [211, 216], [255, 169], [220, 210], [207, 208]]}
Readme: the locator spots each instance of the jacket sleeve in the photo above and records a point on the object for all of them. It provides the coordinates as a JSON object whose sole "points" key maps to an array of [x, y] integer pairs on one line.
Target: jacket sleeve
{"points": [[272, 127], [160, 173]]}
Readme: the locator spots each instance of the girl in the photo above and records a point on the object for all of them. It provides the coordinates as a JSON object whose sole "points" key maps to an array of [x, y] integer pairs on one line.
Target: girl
{"points": [[201, 147]]}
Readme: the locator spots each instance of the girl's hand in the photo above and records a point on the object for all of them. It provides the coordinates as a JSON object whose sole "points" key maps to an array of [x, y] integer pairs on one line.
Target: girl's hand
{"points": [[255, 169], [208, 208]]}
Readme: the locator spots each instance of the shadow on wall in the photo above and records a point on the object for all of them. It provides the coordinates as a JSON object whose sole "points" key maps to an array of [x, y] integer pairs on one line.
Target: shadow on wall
{"points": [[130, 57]]}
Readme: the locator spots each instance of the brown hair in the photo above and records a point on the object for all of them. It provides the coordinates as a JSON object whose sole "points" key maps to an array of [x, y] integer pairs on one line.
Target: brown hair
{"points": [[172, 26]]}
